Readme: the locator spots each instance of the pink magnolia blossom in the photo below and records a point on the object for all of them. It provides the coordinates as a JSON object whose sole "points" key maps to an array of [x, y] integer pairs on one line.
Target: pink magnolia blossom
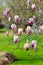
{"points": [[41, 28], [13, 26], [31, 21], [20, 31], [33, 7], [6, 11], [16, 17], [34, 45], [28, 2], [26, 46], [16, 39], [29, 30]]}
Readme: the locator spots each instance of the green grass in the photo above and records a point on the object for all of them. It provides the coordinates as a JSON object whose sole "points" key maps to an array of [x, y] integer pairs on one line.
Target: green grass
{"points": [[4, 30], [25, 58]]}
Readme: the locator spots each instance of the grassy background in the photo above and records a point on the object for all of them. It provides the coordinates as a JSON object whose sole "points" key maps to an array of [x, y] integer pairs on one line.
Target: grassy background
{"points": [[25, 58]]}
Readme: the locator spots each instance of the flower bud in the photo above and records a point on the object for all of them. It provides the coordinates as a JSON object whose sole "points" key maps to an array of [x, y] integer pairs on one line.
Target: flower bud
{"points": [[31, 21], [20, 31], [16, 17], [28, 2], [26, 46], [29, 30], [33, 7], [13, 26], [16, 39]]}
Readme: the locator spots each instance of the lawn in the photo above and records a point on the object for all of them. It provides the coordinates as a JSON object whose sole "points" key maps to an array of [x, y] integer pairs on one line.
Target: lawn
{"points": [[25, 58]]}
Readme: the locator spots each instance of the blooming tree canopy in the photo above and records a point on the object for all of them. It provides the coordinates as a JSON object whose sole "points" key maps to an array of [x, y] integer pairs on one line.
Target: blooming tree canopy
{"points": [[26, 14]]}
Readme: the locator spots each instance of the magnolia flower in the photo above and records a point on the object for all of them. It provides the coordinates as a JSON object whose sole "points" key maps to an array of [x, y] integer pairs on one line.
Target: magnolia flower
{"points": [[7, 33], [13, 26], [28, 2], [16, 17], [20, 31], [41, 28], [31, 21], [29, 30], [6, 11], [35, 47], [16, 39], [33, 6], [26, 46], [33, 44], [9, 19]]}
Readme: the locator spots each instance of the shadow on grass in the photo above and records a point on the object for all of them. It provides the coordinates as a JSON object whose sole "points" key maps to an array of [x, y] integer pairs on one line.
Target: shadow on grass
{"points": [[32, 60]]}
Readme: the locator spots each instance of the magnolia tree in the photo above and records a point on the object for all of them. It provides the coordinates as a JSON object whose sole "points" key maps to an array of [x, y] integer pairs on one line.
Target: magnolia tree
{"points": [[24, 12]]}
